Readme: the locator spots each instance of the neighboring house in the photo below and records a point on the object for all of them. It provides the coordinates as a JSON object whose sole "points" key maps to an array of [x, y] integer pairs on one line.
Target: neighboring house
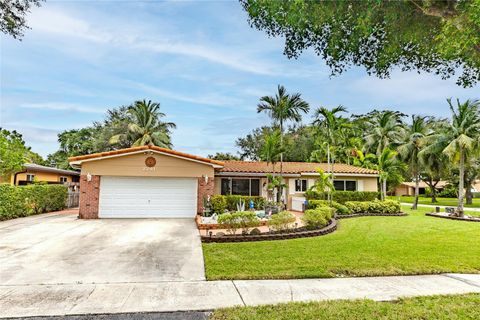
{"points": [[408, 188], [37, 173], [150, 181]]}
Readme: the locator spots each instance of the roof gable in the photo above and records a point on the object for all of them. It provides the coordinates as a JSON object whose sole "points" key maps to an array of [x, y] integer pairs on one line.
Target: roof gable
{"points": [[128, 151]]}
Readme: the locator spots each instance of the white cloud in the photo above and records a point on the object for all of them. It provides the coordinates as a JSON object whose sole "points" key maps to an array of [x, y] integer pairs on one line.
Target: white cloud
{"points": [[63, 106], [213, 99], [52, 21]]}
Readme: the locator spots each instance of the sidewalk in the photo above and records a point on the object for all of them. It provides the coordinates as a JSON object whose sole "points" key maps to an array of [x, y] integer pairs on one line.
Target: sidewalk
{"points": [[68, 299], [443, 207]]}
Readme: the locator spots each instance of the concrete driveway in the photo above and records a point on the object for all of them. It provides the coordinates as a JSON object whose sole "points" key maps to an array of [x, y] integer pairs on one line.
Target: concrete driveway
{"points": [[61, 249]]}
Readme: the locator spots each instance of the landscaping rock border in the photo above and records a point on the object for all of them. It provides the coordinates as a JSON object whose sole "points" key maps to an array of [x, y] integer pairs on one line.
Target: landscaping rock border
{"points": [[354, 215], [269, 236], [451, 217]]}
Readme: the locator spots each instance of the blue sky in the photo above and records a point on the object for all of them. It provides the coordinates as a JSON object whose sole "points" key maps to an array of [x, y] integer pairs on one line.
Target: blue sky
{"points": [[200, 60]]}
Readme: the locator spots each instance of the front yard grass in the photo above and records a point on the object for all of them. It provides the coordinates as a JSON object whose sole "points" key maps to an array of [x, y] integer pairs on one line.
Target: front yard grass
{"points": [[365, 246], [449, 202], [434, 307]]}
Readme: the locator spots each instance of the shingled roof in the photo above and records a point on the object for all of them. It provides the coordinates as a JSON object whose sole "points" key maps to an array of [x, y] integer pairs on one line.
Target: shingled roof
{"points": [[291, 167]]}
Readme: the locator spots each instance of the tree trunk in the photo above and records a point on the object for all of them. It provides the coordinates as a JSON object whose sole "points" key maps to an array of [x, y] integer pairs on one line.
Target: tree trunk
{"points": [[461, 183], [417, 187], [468, 192], [280, 188], [383, 189], [329, 195]]}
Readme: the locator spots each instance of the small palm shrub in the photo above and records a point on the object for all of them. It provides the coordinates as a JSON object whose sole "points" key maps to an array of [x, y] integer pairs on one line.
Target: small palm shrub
{"points": [[281, 221]]}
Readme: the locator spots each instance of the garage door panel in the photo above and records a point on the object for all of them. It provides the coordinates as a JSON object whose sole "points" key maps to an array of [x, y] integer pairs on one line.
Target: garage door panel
{"points": [[143, 197]]}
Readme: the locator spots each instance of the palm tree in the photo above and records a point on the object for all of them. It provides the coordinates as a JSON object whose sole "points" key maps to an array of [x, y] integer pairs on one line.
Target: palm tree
{"points": [[331, 125], [384, 131], [281, 108], [460, 139], [414, 138], [145, 127], [272, 148], [389, 168]]}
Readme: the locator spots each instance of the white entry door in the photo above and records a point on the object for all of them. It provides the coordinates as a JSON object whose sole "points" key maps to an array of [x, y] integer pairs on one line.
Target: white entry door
{"points": [[147, 197]]}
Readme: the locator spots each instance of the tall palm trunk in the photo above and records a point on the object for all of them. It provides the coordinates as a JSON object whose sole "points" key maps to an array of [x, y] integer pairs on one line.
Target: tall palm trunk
{"points": [[417, 187], [461, 183], [280, 188], [384, 194], [329, 195]]}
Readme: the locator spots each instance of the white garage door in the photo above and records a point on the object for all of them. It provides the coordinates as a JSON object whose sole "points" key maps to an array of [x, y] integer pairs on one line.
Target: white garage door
{"points": [[141, 197]]}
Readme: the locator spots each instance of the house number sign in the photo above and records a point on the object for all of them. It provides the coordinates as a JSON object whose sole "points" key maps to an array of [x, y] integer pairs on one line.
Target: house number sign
{"points": [[150, 163]]}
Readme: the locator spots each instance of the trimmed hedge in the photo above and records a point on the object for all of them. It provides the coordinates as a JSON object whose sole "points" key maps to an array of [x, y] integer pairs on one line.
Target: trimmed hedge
{"points": [[376, 206], [220, 203], [317, 218], [339, 208], [343, 196], [32, 199]]}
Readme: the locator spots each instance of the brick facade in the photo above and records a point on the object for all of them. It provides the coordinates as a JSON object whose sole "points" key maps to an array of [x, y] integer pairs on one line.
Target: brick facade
{"points": [[204, 190], [89, 195]]}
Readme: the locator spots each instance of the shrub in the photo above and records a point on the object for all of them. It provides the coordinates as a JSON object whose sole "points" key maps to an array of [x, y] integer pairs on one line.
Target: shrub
{"points": [[12, 202], [218, 203], [229, 222], [317, 218], [376, 206], [357, 206], [343, 196], [238, 220], [32, 199], [247, 220], [449, 191], [229, 202], [281, 221], [339, 208]]}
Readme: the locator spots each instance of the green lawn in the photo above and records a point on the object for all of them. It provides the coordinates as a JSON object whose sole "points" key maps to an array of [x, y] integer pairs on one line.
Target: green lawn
{"points": [[441, 201], [452, 307], [366, 246]]}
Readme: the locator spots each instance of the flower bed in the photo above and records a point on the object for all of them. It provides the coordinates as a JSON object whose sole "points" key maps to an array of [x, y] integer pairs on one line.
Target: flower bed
{"points": [[293, 234], [214, 226], [446, 216]]}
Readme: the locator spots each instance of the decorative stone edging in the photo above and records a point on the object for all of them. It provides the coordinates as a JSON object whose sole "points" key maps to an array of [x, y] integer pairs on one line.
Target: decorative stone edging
{"points": [[345, 216], [452, 217], [273, 236]]}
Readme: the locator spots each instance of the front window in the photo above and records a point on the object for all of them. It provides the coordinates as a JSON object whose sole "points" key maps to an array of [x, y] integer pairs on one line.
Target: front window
{"points": [[345, 185], [30, 177], [63, 179], [300, 185], [242, 187]]}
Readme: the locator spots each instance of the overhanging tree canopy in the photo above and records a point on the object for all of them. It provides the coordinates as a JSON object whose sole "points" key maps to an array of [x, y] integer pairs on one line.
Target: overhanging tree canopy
{"points": [[441, 37]]}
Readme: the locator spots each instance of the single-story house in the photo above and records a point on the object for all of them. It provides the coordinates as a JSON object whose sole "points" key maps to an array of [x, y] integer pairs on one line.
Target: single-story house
{"points": [[154, 182], [32, 172], [408, 188]]}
